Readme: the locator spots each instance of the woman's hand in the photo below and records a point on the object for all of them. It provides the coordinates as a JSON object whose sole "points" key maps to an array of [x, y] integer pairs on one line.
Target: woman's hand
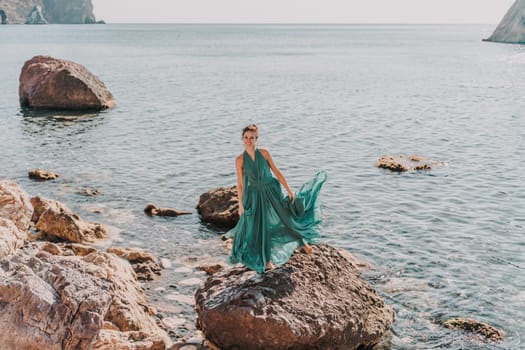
{"points": [[290, 195]]}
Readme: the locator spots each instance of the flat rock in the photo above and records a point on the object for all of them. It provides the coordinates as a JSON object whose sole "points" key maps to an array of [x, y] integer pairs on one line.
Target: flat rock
{"points": [[220, 206], [52, 83], [474, 326], [406, 163], [40, 174], [153, 210], [55, 219], [316, 301]]}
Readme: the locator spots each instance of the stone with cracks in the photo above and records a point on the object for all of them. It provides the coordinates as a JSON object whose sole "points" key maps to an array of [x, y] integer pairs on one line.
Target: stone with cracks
{"points": [[145, 265], [316, 301], [51, 83], [15, 204], [55, 219]]}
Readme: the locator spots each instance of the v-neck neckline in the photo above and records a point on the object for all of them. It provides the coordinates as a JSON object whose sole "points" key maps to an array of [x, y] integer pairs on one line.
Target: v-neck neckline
{"points": [[254, 155]]}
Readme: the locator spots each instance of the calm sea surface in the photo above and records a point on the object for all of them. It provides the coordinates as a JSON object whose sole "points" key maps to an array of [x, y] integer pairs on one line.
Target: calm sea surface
{"points": [[443, 243]]}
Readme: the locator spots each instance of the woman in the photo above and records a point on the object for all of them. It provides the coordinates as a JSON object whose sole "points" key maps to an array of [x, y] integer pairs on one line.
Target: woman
{"points": [[271, 226]]}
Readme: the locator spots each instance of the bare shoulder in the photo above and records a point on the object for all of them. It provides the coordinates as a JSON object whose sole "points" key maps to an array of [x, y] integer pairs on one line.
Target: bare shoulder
{"points": [[239, 158], [265, 153]]}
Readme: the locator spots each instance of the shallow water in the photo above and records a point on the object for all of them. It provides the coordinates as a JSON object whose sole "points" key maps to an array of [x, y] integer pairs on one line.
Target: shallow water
{"points": [[443, 243]]}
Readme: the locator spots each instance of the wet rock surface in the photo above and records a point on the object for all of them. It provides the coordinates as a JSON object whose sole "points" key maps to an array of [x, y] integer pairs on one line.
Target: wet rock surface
{"points": [[153, 210], [470, 325], [55, 219], [220, 207], [406, 163], [51, 83], [313, 301], [40, 174]]}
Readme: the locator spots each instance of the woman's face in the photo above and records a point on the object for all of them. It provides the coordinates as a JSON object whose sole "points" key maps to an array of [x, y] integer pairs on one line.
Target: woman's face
{"points": [[249, 139]]}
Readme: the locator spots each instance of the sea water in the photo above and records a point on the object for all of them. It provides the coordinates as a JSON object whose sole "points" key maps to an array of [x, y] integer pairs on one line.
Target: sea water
{"points": [[442, 243]]}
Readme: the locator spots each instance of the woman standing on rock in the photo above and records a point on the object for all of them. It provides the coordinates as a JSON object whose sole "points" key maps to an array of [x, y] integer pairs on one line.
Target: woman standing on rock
{"points": [[271, 226]]}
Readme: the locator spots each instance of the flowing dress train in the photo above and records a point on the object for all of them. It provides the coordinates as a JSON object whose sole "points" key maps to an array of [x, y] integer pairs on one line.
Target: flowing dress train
{"points": [[272, 227]]}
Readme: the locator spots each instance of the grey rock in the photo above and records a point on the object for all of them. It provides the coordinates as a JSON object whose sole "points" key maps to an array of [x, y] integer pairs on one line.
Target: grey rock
{"points": [[47, 11], [36, 16], [511, 29]]}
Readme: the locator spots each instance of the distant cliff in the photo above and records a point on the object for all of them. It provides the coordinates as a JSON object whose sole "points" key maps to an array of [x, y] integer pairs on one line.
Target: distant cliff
{"points": [[46, 11], [511, 29]]}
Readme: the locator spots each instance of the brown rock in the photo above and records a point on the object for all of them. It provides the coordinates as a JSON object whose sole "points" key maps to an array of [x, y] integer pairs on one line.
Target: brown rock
{"points": [[65, 301], [145, 264], [89, 192], [211, 269], [55, 219], [316, 301], [153, 210], [220, 206], [470, 325], [15, 204], [403, 163], [39, 174], [51, 83]]}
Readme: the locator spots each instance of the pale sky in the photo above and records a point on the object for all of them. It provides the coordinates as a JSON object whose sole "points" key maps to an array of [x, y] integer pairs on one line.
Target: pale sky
{"points": [[301, 11]]}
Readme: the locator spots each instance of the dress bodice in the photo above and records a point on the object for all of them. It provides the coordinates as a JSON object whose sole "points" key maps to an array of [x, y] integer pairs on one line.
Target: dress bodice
{"points": [[256, 171]]}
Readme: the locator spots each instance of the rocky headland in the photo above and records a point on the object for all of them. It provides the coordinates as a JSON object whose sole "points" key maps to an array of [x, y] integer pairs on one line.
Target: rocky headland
{"points": [[46, 11], [511, 29]]}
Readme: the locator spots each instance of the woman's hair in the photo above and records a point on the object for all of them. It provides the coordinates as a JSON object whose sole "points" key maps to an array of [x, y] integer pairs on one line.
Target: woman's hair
{"points": [[251, 127]]}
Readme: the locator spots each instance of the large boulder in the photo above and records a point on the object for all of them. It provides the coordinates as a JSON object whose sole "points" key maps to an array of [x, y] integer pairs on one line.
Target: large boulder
{"points": [[55, 219], [316, 301], [220, 206], [51, 83], [15, 204], [511, 29], [51, 298]]}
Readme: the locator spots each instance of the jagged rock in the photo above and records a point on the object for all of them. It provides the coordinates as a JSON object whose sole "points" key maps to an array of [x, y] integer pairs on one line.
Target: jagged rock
{"points": [[220, 206], [511, 29], [52, 11], [406, 163], [11, 237], [15, 204], [40, 174], [36, 16], [316, 301], [51, 83], [55, 219], [470, 325], [145, 264], [52, 299], [153, 210]]}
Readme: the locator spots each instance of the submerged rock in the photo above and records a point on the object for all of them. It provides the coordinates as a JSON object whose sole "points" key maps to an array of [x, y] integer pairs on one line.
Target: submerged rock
{"points": [[406, 163], [316, 301], [51, 83], [55, 219], [220, 206], [153, 210], [480, 328], [40, 174], [50, 298], [511, 29]]}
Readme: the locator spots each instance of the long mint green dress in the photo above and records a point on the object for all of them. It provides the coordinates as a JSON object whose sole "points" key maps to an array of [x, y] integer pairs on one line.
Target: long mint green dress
{"points": [[272, 227]]}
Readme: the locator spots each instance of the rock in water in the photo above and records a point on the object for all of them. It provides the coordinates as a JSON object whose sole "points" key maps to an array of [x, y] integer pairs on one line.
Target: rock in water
{"points": [[511, 29], [316, 301], [474, 326], [220, 206], [51, 11], [51, 83]]}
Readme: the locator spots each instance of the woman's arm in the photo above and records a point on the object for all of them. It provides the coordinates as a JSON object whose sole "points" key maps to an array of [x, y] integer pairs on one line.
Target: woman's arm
{"points": [[240, 183], [277, 172]]}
